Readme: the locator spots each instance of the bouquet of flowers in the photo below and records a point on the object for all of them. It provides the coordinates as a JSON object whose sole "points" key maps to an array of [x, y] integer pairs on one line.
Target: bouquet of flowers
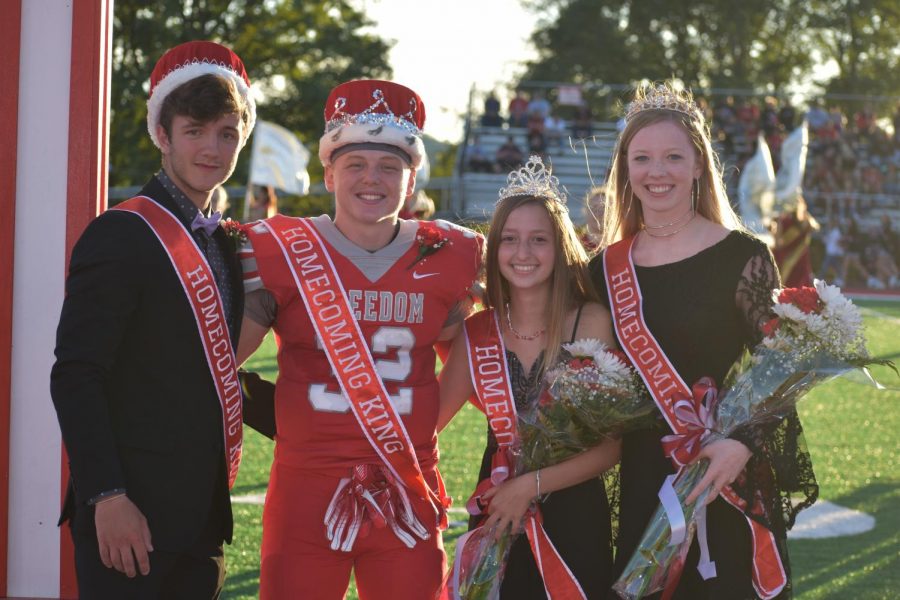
{"points": [[815, 336], [591, 396]]}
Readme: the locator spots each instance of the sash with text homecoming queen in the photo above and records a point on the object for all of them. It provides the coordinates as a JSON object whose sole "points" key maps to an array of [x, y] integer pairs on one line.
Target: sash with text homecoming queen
{"points": [[196, 278], [490, 378], [666, 386]]}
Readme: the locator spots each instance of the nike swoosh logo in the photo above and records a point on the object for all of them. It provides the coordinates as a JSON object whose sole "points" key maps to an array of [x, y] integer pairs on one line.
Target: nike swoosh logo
{"points": [[423, 275]]}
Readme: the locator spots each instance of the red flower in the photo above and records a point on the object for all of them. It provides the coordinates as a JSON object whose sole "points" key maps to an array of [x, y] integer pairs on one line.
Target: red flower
{"points": [[430, 240], [770, 327], [545, 399], [579, 363], [429, 236], [235, 231], [804, 298]]}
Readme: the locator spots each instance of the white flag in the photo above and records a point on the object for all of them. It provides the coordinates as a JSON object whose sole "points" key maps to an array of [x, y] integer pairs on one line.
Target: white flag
{"points": [[789, 183], [278, 159], [756, 190]]}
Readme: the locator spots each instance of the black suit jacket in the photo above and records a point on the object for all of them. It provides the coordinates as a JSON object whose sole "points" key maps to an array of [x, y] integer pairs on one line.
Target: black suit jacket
{"points": [[135, 400]]}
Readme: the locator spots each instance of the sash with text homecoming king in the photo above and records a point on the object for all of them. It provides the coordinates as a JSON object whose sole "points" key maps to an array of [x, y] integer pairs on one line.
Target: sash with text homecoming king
{"points": [[323, 294], [198, 282], [490, 378], [666, 386]]}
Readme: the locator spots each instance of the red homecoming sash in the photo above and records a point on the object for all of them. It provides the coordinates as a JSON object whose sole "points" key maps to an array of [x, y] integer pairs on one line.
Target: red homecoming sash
{"points": [[326, 302], [490, 377], [665, 384], [200, 286]]}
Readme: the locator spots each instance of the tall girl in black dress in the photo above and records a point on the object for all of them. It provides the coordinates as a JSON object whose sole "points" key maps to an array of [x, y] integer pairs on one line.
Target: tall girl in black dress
{"points": [[539, 287], [706, 286]]}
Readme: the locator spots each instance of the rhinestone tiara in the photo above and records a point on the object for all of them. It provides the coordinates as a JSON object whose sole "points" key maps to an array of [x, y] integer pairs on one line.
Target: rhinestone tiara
{"points": [[663, 97], [534, 179], [370, 116]]}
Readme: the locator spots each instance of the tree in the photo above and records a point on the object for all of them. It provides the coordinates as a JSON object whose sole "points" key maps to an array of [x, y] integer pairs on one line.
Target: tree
{"points": [[754, 44], [860, 36], [295, 51]]}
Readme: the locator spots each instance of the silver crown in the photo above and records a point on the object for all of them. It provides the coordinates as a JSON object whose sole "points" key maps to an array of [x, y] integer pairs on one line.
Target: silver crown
{"points": [[534, 179], [663, 97]]}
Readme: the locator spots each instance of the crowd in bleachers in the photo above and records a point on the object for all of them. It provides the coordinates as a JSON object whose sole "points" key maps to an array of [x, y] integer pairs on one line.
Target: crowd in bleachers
{"points": [[535, 117], [849, 160], [852, 178]]}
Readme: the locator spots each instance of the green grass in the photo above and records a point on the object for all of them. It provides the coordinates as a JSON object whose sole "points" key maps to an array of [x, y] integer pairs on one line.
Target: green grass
{"points": [[852, 436]]}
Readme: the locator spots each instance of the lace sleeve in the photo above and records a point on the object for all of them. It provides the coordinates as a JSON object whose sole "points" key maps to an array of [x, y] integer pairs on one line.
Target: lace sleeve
{"points": [[780, 467], [754, 292], [753, 298]]}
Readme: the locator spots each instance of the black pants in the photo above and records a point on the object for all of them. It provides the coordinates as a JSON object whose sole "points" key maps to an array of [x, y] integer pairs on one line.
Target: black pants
{"points": [[195, 575]]}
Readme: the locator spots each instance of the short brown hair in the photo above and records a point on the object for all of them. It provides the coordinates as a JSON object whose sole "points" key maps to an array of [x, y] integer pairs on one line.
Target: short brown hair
{"points": [[204, 99]]}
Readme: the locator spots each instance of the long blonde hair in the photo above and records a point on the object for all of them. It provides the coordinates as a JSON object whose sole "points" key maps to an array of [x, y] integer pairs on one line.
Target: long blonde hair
{"points": [[623, 216], [571, 282]]}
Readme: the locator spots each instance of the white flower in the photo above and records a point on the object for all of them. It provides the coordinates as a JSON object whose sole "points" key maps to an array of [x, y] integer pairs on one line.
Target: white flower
{"points": [[836, 328], [611, 365], [585, 347], [790, 312]]}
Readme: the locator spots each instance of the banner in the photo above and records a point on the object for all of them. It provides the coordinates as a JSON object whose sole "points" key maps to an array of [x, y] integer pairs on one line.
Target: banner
{"points": [[278, 159]]}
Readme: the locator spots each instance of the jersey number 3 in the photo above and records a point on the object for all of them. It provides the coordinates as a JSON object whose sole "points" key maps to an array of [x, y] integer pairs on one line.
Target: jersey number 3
{"points": [[384, 339]]}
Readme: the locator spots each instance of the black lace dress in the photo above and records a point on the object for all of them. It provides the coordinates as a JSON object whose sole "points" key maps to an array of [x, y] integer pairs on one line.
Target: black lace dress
{"points": [[576, 519], [705, 311]]}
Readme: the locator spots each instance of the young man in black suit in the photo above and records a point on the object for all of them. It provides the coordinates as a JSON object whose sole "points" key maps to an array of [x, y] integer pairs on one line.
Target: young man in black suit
{"points": [[145, 380]]}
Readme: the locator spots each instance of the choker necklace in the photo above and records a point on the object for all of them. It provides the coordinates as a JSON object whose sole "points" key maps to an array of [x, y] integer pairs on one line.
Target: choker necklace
{"points": [[690, 212], [526, 338], [669, 233]]}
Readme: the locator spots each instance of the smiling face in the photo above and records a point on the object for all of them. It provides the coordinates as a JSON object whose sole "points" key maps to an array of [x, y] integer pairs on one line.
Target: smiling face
{"points": [[369, 186], [527, 249], [662, 166], [200, 156]]}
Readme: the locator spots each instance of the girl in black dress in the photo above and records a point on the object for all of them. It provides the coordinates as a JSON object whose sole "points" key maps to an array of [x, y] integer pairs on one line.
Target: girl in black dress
{"points": [[539, 287], [706, 287]]}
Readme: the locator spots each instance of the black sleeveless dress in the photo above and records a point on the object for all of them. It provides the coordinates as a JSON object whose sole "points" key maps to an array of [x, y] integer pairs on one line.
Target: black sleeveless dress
{"points": [[704, 311], [577, 518]]}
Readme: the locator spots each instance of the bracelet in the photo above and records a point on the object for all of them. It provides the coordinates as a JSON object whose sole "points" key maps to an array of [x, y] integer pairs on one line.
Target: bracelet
{"points": [[537, 481], [108, 498], [107, 495]]}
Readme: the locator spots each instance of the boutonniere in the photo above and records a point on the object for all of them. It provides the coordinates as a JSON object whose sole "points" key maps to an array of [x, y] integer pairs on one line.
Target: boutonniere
{"points": [[235, 231], [430, 240]]}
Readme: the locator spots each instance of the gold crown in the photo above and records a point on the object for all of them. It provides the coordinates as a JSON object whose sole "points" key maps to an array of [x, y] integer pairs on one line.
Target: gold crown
{"points": [[663, 97], [534, 179]]}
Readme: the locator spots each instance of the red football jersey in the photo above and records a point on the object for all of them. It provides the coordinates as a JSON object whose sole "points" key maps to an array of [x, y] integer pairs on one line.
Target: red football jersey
{"points": [[402, 296]]}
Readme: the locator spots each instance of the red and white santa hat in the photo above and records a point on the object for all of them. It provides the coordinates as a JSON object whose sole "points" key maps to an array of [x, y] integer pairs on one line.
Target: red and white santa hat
{"points": [[373, 114], [187, 61]]}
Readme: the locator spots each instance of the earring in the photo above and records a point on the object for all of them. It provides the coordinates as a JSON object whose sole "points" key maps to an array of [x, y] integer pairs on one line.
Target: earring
{"points": [[695, 193], [630, 196]]}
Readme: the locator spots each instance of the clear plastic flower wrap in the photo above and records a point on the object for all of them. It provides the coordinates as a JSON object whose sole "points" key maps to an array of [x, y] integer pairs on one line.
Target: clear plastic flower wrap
{"points": [[592, 395], [815, 336]]}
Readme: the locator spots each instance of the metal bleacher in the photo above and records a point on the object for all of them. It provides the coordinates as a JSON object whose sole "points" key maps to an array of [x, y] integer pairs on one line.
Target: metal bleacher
{"points": [[579, 164]]}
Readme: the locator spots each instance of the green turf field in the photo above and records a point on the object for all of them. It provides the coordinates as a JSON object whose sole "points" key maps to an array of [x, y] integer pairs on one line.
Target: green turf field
{"points": [[851, 431]]}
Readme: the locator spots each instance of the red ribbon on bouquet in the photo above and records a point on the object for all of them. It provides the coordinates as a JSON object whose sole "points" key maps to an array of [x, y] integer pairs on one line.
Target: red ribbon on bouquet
{"points": [[697, 415]]}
